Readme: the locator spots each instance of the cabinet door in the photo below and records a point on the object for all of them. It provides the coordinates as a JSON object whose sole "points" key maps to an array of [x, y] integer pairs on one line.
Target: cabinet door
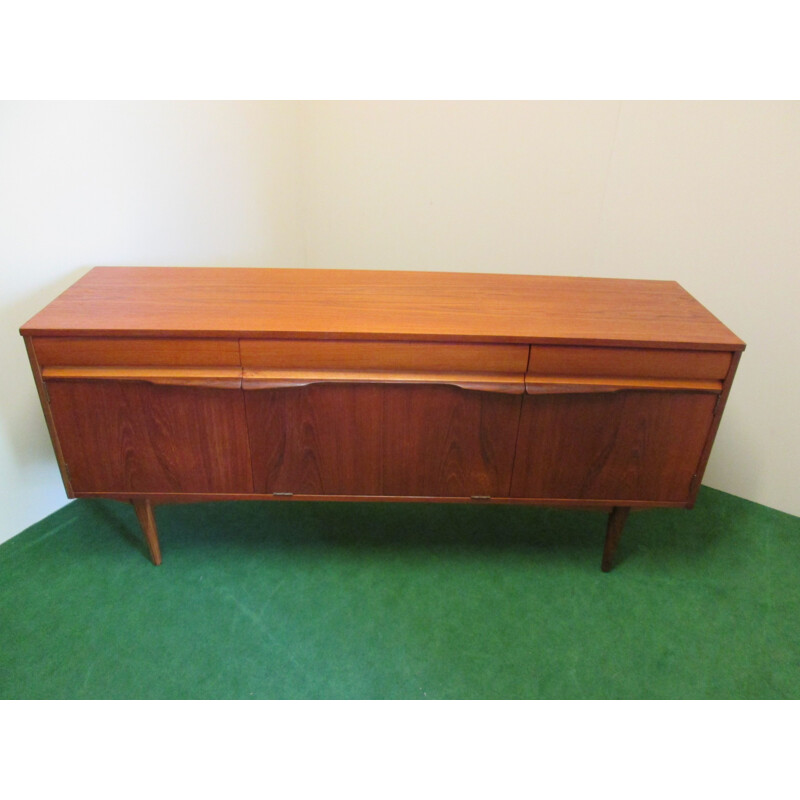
{"points": [[132, 436], [625, 445], [377, 439]]}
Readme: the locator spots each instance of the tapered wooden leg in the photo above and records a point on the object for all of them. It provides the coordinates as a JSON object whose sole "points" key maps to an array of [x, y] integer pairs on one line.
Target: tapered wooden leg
{"points": [[144, 511], [616, 522]]}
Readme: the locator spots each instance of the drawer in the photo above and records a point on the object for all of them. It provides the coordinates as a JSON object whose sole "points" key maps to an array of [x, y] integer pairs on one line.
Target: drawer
{"points": [[270, 363], [129, 352], [553, 369], [315, 354], [188, 362]]}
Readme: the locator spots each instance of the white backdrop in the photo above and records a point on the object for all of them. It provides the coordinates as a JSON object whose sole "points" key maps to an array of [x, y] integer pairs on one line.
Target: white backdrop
{"points": [[83, 184]]}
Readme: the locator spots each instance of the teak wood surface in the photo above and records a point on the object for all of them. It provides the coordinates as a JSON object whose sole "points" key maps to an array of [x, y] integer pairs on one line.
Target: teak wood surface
{"points": [[134, 437], [377, 439], [637, 445], [369, 304], [184, 384]]}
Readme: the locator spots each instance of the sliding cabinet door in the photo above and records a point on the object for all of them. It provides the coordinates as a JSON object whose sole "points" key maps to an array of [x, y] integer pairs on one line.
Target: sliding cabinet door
{"points": [[131, 436], [382, 440], [612, 446]]}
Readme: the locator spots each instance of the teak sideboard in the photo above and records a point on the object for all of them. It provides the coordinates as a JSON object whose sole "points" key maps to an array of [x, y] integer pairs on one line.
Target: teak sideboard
{"points": [[167, 384]]}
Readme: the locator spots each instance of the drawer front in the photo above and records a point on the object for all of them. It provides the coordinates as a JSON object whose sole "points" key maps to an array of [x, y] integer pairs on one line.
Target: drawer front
{"points": [[554, 369], [399, 356], [179, 362], [129, 352], [274, 363]]}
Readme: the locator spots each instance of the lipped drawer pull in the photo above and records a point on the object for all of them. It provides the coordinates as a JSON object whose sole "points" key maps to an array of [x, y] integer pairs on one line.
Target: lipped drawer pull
{"points": [[288, 378], [550, 384], [278, 363], [213, 377]]}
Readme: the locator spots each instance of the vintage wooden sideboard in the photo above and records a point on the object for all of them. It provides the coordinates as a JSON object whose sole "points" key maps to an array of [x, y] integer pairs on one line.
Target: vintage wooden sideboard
{"points": [[166, 384]]}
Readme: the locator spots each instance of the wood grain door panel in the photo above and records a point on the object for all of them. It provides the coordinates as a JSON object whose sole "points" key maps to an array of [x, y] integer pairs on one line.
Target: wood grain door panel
{"points": [[628, 445], [382, 440], [136, 437]]}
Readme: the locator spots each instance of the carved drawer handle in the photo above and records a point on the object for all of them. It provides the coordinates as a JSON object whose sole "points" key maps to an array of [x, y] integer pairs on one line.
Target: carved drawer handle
{"points": [[557, 384], [285, 378], [213, 377]]}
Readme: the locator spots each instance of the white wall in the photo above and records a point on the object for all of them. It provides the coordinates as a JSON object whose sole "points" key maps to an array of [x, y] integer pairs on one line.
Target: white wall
{"points": [[83, 184], [704, 193]]}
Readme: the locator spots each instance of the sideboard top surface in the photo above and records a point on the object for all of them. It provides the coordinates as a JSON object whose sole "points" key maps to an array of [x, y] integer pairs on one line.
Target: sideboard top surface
{"points": [[367, 304]]}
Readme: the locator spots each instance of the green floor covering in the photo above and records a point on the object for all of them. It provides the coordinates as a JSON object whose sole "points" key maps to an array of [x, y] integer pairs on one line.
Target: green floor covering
{"points": [[339, 600]]}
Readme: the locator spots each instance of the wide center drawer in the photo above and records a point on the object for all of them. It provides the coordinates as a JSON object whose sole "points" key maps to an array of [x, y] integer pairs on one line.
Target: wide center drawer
{"points": [[271, 363]]}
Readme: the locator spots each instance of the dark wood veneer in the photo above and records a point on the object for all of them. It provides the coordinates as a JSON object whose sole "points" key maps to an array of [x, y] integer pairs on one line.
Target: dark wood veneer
{"points": [[134, 437], [378, 439], [635, 445]]}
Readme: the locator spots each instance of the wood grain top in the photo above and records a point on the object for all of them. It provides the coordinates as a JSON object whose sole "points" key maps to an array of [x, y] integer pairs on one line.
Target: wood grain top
{"points": [[387, 305]]}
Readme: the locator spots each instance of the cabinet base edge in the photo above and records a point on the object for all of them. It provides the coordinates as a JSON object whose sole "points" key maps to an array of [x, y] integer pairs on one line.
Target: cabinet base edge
{"points": [[557, 502]]}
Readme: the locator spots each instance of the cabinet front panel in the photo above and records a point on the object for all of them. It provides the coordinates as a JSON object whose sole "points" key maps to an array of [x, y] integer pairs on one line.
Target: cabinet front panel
{"points": [[373, 439], [627, 445], [136, 437]]}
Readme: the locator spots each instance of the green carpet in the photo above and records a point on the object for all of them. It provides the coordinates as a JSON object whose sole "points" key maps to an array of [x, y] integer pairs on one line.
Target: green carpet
{"points": [[338, 600]]}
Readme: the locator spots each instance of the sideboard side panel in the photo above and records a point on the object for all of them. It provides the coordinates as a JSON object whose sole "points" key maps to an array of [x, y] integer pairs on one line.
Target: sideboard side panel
{"points": [[712, 432], [44, 399]]}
